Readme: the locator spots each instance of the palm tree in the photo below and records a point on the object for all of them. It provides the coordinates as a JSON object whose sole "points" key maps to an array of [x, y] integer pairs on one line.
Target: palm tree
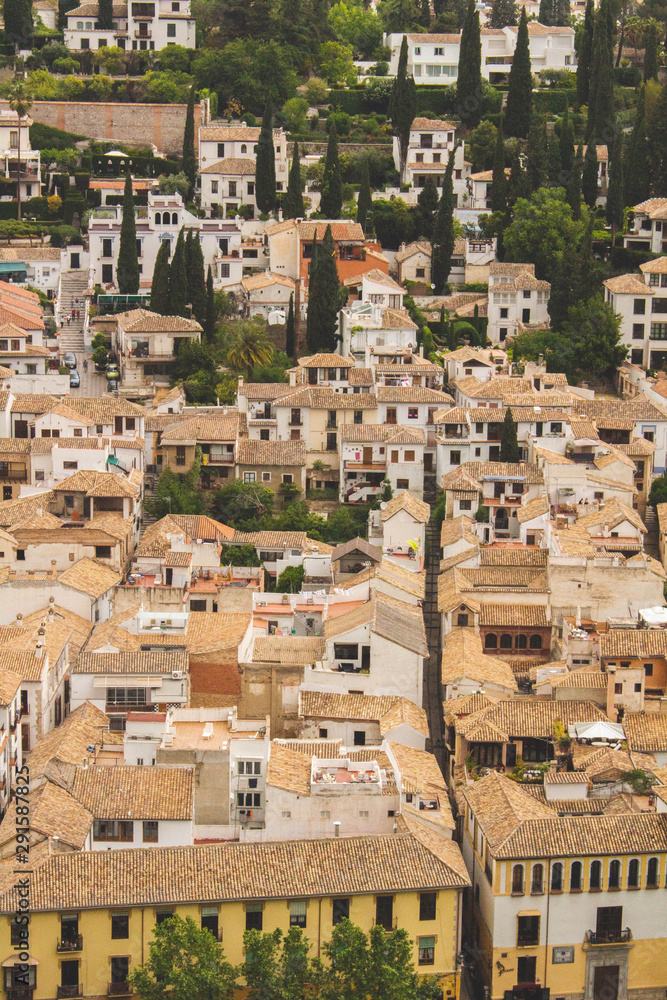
{"points": [[249, 347], [20, 100]]}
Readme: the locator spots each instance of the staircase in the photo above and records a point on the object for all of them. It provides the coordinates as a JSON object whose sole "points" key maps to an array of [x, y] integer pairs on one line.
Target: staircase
{"points": [[73, 285], [432, 698]]}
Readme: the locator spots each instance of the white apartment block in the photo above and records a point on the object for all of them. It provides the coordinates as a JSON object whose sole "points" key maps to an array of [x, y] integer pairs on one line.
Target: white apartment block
{"points": [[9, 150], [517, 300], [430, 145], [227, 156], [162, 220], [641, 302], [144, 26], [646, 226]]}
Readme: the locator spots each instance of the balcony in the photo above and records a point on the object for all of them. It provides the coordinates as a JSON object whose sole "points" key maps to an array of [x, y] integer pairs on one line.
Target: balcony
{"points": [[138, 33], [296, 423], [365, 466], [20, 992], [120, 989], [74, 943], [69, 991], [615, 936]]}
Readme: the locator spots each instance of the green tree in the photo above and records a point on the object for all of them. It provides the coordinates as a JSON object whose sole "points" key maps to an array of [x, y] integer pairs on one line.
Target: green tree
{"points": [[585, 52], [542, 228], [294, 113], [105, 14], [547, 12], [601, 112], [518, 186], [499, 179], [426, 14], [277, 966], [658, 492], [189, 159], [616, 189], [160, 284], [290, 581], [401, 15], [210, 321], [127, 272], [589, 175], [174, 493], [196, 281], [536, 152], [428, 204], [293, 207], [19, 26], [365, 198], [249, 347], [555, 348], [20, 101], [651, 50], [290, 338], [184, 962], [503, 13], [265, 166], [637, 174], [574, 183], [403, 105], [519, 107], [442, 243], [359, 26], [566, 144], [594, 328], [657, 138], [243, 505], [337, 64], [331, 200], [325, 298], [469, 79], [481, 145], [509, 443], [178, 281]]}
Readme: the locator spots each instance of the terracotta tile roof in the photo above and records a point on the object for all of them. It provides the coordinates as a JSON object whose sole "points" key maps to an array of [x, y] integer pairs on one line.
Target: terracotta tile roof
{"points": [[412, 394], [466, 704], [404, 713], [418, 771], [272, 539], [324, 749], [657, 266], [519, 471], [136, 792], [661, 510], [607, 412], [265, 390], [353, 707], [581, 836], [357, 544], [552, 457], [580, 679], [501, 807], [499, 615], [503, 577], [271, 453], [534, 508], [391, 573], [450, 594], [613, 513], [463, 656], [44, 446], [434, 124], [532, 718], [97, 484], [91, 577], [633, 642], [457, 529], [83, 727], [360, 376], [111, 633], [397, 319], [178, 559], [79, 628], [9, 682], [103, 409], [288, 649], [54, 812], [381, 432], [342, 231], [646, 732], [222, 630], [501, 556], [154, 541], [206, 428], [240, 166], [133, 662], [253, 282], [144, 321], [288, 769], [323, 398], [611, 484], [394, 620]]}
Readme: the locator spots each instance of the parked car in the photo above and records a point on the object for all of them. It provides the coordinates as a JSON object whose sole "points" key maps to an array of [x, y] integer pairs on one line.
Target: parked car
{"points": [[112, 372], [70, 359], [112, 385], [74, 379]]}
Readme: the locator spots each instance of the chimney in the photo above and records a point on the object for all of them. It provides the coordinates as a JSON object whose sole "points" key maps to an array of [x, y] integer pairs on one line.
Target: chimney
{"points": [[19, 617], [39, 512], [336, 829]]}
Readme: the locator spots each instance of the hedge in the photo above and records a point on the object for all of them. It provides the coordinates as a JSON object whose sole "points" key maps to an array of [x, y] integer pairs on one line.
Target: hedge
{"points": [[47, 137], [9, 210], [629, 260], [627, 76], [553, 101]]}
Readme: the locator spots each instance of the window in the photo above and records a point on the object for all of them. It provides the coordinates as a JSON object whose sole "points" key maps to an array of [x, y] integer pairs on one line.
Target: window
{"points": [[232, 189], [595, 876], [537, 880], [413, 413], [19, 932], [120, 968], [557, 877], [107, 248], [171, 31], [150, 831], [526, 969], [615, 874], [108, 830], [209, 920], [180, 454], [346, 650], [120, 926], [249, 477], [384, 912], [287, 478], [297, 913], [358, 416], [652, 874], [162, 915], [462, 620], [325, 814], [618, 689], [427, 905], [103, 552], [639, 308], [633, 874], [575, 876], [491, 641], [517, 874], [324, 733], [455, 458], [426, 950], [465, 504], [420, 272], [409, 456], [402, 484], [20, 553], [528, 931], [249, 766], [253, 916], [506, 641], [341, 910], [535, 642]]}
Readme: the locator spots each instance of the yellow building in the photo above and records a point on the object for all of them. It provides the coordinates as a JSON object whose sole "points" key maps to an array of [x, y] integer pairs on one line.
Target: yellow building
{"points": [[564, 906], [93, 913]]}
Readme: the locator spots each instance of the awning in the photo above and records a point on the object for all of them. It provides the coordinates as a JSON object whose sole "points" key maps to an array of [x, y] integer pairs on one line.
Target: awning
{"points": [[11, 267]]}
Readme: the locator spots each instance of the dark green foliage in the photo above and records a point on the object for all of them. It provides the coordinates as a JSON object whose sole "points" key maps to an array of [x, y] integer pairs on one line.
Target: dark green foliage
{"points": [[574, 183], [196, 279], [658, 492], [403, 104], [178, 282], [105, 14], [428, 204], [331, 201], [127, 273], [292, 205], [290, 581], [657, 137], [503, 13], [536, 152], [601, 112], [425, 13], [594, 329], [209, 323], [239, 555], [566, 144], [499, 180], [556, 349], [585, 52], [576, 277], [160, 284], [547, 12], [17, 16], [442, 242], [189, 157], [325, 298], [177, 493], [616, 188], [519, 185], [365, 199], [265, 168], [290, 341], [542, 230], [243, 505], [509, 444], [519, 105], [589, 176], [651, 49], [554, 172], [47, 137], [637, 174], [469, 79], [184, 960]]}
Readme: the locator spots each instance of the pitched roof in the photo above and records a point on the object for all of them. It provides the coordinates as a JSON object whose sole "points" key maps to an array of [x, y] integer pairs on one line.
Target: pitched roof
{"points": [[288, 769], [500, 807], [9, 683], [97, 484], [411, 394], [633, 642], [155, 540], [356, 707], [394, 620], [500, 615], [533, 508], [646, 732], [91, 577], [271, 453], [463, 656], [532, 718], [85, 726], [132, 662], [54, 813], [356, 545], [241, 166], [129, 791], [287, 649], [144, 321], [381, 432], [224, 427]]}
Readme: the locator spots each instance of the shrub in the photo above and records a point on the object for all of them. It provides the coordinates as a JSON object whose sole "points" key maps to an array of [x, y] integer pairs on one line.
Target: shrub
{"points": [[62, 236], [316, 91], [342, 122]]}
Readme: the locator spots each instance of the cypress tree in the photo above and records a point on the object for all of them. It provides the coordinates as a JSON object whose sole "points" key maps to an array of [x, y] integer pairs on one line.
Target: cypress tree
{"points": [[651, 46], [365, 199], [425, 18], [127, 272], [290, 343], [265, 166], [442, 243], [615, 191], [589, 176], [188, 263], [562, 13], [499, 180], [554, 172], [584, 55], [160, 284], [574, 183], [547, 12], [519, 105], [428, 204], [469, 80], [601, 113], [324, 298], [403, 105], [509, 443], [637, 174], [331, 201], [209, 323], [189, 160], [178, 281], [586, 281], [518, 186], [563, 286], [293, 207], [503, 13], [105, 14], [658, 142], [536, 152], [566, 143], [19, 25], [197, 281]]}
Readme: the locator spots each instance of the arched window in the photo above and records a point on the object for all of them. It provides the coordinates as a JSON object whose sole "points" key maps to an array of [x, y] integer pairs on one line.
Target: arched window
{"points": [[557, 877], [633, 873], [174, 218], [491, 641], [517, 879], [575, 876], [652, 873], [521, 641], [537, 879], [79, 25], [505, 641], [595, 879], [158, 218], [536, 642], [244, 148], [615, 874]]}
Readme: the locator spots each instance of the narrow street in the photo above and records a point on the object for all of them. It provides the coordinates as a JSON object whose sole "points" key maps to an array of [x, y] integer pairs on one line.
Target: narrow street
{"points": [[432, 687]]}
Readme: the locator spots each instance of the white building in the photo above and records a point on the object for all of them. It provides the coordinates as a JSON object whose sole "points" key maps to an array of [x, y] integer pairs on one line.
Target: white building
{"points": [[517, 300], [646, 226], [38, 267], [431, 143], [9, 148], [400, 528], [267, 295], [147, 344], [227, 157], [371, 453], [118, 683], [11, 754], [640, 301], [136, 25], [470, 261], [163, 220]]}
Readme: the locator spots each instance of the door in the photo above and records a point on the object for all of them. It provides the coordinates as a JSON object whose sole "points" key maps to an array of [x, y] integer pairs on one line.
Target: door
{"points": [[605, 982], [428, 463], [74, 261], [510, 755], [609, 923], [368, 456], [365, 657], [107, 274], [169, 576], [20, 428]]}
